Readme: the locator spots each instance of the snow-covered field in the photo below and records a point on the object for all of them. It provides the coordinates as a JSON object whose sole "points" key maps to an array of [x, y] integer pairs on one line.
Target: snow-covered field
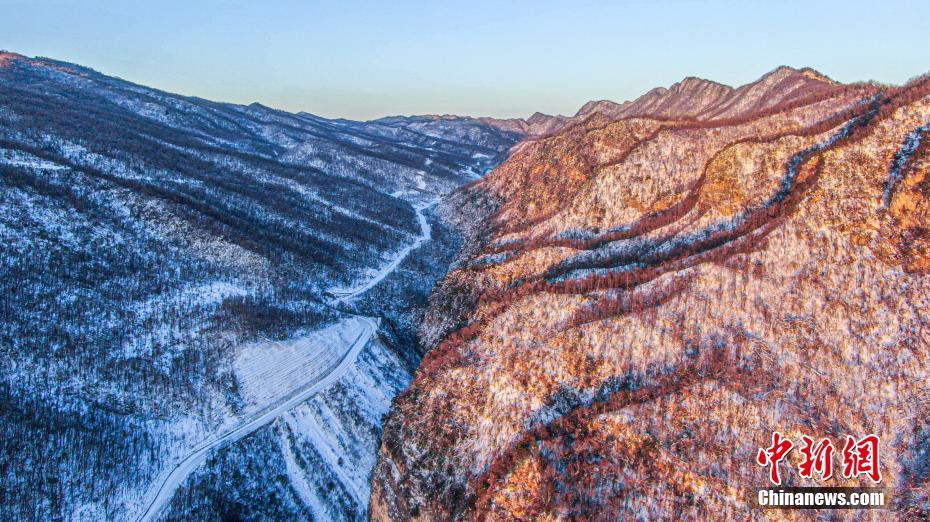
{"points": [[354, 332], [270, 370]]}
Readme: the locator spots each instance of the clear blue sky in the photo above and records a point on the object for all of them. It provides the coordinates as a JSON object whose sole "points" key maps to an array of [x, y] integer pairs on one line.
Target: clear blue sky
{"points": [[364, 59]]}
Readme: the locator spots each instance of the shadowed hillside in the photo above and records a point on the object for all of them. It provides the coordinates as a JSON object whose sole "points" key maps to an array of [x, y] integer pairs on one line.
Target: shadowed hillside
{"points": [[146, 237]]}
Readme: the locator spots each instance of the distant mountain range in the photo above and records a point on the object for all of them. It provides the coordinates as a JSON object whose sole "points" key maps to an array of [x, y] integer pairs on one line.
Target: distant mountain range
{"points": [[230, 312], [707, 100], [648, 293], [149, 237]]}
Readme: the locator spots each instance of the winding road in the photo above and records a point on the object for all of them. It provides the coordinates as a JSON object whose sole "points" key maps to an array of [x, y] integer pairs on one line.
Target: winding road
{"points": [[168, 483], [163, 491], [426, 233]]}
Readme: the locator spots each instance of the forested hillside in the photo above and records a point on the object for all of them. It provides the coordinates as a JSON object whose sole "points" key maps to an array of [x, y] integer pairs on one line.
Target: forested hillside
{"points": [[650, 292], [146, 237]]}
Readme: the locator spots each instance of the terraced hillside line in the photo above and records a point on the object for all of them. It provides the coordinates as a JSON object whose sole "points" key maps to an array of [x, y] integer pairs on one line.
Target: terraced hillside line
{"points": [[659, 219], [901, 158], [663, 255], [167, 485], [717, 365], [505, 228], [675, 253], [627, 374], [643, 225]]}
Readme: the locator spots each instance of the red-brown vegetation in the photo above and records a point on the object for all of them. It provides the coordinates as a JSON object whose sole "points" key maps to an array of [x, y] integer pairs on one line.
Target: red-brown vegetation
{"points": [[656, 294]]}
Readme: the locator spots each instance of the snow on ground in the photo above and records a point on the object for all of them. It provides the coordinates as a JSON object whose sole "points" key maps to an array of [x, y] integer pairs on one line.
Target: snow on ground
{"points": [[342, 425], [209, 293], [15, 158], [269, 394], [470, 172], [270, 370], [296, 476], [155, 308], [314, 195], [911, 142], [426, 233]]}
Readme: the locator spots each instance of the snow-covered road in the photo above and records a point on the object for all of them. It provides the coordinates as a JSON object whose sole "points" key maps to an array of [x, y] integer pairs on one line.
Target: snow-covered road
{"points": [[168, 483], [346, 294]]}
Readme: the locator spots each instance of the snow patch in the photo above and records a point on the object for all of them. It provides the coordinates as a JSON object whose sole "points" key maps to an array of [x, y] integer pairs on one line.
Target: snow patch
{"points": [[270, 370]]}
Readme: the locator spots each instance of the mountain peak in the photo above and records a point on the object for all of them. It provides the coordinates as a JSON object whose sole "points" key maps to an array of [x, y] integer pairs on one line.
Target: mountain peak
{"points": [[785, 71], [693, 82], [539, 117], [817, 75], [6, 57], [703, 99], [606, 107]]}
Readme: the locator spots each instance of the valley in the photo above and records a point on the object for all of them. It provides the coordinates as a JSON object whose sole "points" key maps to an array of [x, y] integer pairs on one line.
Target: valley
{"points": [[166, 267], [343, 294], [216, 311]]}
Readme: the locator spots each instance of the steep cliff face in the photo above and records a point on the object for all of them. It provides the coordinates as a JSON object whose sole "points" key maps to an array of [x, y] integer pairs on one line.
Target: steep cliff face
{"points": [[648, 298]]}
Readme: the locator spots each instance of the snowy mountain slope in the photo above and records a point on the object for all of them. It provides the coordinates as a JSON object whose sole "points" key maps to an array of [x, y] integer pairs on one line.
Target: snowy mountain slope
{"points": [[275, 384], [146, 237], [644, 300]]}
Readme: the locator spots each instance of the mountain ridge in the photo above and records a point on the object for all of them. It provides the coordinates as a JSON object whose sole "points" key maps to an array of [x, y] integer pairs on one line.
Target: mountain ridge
{"points": [[646, 296], [629, 300], [699, 98], [151, 239], [691, 97]]}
